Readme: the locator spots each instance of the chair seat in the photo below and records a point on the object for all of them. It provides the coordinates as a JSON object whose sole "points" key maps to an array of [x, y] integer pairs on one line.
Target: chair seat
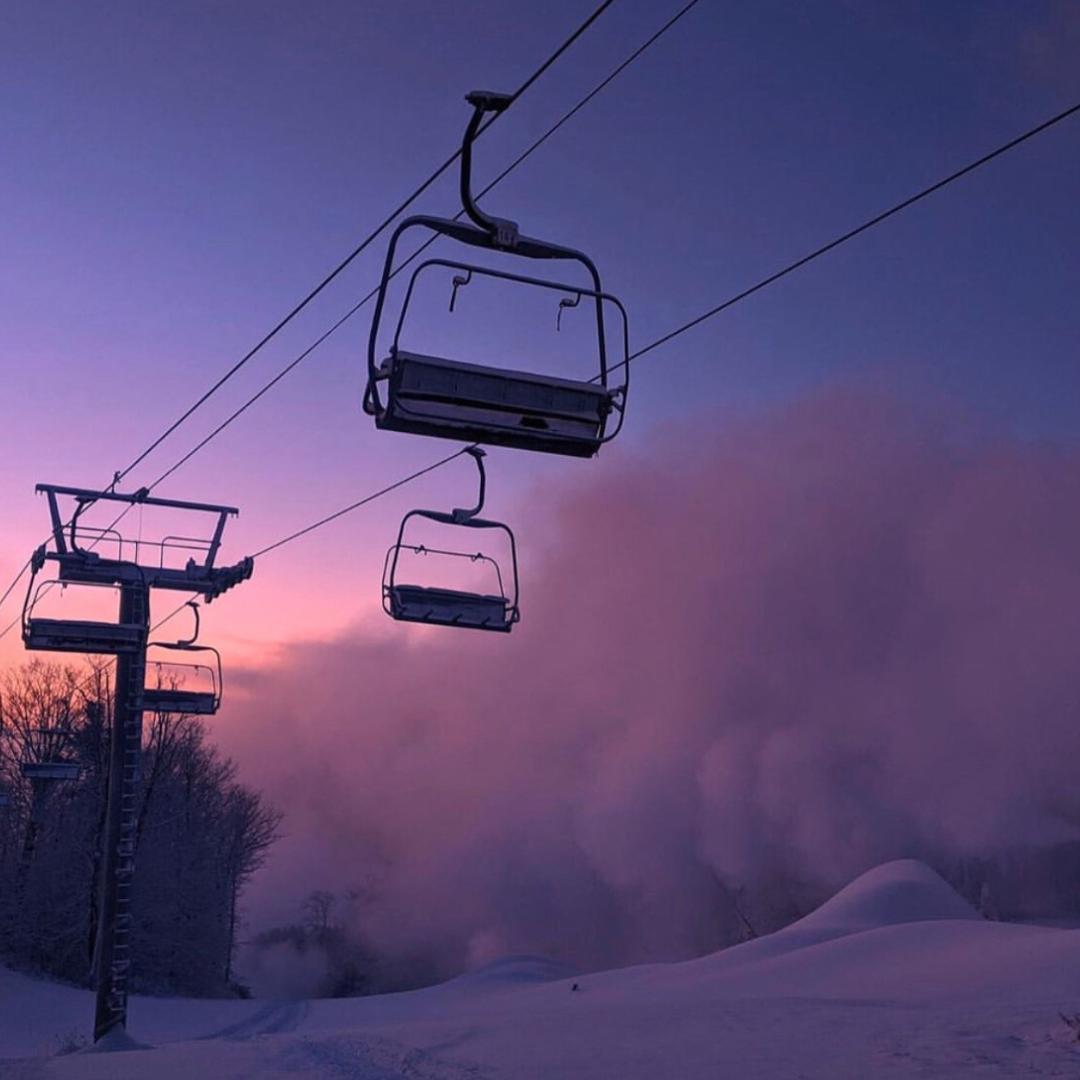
{"points": [[449, 607], [51, 770], [450, 399], [69, 635], [194, 702]]}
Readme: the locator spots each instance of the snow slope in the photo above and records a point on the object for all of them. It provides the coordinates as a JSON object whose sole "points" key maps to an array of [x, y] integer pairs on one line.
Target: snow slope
{"points": [[894, 977]]}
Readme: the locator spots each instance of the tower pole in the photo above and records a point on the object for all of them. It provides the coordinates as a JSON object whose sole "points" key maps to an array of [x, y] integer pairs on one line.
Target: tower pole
{"points": [[113, 948]]}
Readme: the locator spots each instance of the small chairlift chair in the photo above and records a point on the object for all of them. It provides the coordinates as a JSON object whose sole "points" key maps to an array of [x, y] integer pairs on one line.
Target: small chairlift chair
{"points": [[452, 607], [456, 399], [50, 764], [85, 568], [201, 699], [76, 635], [51, 770]]}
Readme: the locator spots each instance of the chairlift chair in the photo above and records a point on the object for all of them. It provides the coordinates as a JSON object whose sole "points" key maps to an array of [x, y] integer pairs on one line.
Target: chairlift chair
{"points": [[50, 764], [178, 699], [75, 635], [458, 399], [452, 607], [51, 770]]}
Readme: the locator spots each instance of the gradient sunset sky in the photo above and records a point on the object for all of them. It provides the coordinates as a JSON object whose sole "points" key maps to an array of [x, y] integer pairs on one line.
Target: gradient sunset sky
{"points": [[175, 176]]}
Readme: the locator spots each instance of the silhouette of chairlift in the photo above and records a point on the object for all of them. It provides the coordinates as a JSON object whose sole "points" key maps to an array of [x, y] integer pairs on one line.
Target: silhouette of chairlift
{"points": [[76, 635], [176, 699], [52, 766], [85, 568], [453, 399], [51, 770], [452, 607]]}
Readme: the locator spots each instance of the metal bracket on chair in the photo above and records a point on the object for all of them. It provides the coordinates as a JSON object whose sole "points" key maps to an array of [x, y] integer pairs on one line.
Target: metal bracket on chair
{"points": [[195, 636], [459, 280], [565, 303]]}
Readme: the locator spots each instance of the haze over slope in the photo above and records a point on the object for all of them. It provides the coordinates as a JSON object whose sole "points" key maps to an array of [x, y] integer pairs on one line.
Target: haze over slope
{"points": [[765, 657]]}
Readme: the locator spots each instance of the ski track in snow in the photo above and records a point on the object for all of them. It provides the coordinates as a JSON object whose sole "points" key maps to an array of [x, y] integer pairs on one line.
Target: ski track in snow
{"points": [[379, 1058], [275, 1018], [1020, 1046]]}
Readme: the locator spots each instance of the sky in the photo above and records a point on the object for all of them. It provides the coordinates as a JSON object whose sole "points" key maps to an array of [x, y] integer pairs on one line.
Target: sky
{"points": [[174, 178]]}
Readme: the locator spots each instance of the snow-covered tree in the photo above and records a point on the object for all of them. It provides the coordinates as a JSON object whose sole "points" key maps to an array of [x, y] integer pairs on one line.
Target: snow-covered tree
{"points": [[201, 835]]}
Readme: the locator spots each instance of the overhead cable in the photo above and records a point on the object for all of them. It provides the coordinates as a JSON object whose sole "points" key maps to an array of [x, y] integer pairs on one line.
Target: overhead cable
{"points": [[15, 581], [852, 233], [119, 475], [534, 146], [665, 338], [361, 502], [347, 261]]}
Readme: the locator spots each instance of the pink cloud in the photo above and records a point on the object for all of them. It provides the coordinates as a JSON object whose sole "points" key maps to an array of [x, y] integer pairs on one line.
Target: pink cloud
{"points": [[841, 633]]}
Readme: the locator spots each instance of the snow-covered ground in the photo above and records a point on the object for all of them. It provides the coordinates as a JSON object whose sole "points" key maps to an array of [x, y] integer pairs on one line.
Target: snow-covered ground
{"points": [[894, 977]]}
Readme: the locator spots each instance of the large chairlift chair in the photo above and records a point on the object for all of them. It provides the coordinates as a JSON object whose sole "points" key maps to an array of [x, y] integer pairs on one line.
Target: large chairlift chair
{"points": [[456, 398]]}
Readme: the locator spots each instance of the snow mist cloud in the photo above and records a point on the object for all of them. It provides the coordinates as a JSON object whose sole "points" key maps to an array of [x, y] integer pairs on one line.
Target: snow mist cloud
{"points": [[845, 632]]}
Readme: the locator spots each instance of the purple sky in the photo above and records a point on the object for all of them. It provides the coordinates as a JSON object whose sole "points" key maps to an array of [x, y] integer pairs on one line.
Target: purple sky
{"points": [[174, 177]]}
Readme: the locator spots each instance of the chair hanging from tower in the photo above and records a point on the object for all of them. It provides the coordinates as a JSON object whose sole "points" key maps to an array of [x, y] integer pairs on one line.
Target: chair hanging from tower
{"points": [[184, 686], [49, 760], [94, 636], [444, 606]]}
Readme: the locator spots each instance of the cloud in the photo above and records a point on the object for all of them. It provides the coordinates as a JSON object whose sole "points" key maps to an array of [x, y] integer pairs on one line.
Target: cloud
{"points": [[787, 649]]}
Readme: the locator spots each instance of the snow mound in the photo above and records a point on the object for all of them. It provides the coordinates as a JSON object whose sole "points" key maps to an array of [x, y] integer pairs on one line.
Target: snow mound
{"points": [[521, 970], [894, 894], [903, 891]]}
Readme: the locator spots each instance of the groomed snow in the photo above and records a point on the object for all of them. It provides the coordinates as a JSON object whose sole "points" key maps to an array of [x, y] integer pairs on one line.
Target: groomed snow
{"points": [[894, 977]]}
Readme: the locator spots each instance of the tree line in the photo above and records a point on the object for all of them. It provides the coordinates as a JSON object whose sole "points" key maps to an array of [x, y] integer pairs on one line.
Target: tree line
{"points": [[201, 835]]}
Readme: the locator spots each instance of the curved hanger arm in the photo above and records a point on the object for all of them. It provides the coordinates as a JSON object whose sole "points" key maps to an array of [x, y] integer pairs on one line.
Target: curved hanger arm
{"points": [[184, 642], [80, 506], [503, 233], [459, 514]]}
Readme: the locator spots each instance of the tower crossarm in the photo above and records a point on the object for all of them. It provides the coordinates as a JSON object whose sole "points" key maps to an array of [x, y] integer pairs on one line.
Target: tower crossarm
{"points": [[90, 553]]}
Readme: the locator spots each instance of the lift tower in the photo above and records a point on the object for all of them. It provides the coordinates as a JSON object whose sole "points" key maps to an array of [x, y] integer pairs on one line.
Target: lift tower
{"points": [[103, 560]]}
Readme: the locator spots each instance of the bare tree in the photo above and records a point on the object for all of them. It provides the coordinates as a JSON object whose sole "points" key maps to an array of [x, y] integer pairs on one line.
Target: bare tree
{"points": [[201, 835], [317, 908]]}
